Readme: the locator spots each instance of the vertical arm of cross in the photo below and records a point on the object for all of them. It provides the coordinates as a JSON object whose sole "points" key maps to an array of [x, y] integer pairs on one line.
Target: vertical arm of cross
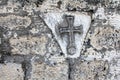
{"points": [[70, 21]]}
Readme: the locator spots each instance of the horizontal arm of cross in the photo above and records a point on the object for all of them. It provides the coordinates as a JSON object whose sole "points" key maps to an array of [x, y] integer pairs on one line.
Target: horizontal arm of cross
{"points": [[77, 29], [64, 30]]}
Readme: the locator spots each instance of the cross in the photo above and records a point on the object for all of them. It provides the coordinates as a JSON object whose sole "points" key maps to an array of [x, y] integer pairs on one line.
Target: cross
{"points": [[70, 29]]}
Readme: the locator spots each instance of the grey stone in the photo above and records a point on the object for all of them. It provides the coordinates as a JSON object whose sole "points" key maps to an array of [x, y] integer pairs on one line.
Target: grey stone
{"points": [[11, 71]]}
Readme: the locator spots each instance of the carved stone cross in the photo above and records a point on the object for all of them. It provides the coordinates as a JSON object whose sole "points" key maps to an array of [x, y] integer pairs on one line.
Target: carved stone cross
{"points": [[70, 30]]}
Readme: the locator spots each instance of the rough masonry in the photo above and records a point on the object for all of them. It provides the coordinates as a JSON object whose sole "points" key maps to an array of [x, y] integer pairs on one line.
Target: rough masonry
{"points": [[59, 39]]}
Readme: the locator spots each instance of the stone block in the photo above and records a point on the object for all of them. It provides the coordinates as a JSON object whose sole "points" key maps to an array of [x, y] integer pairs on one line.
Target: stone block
{"points": [[11, 71], [42, 71], [29, 45], [90, 70], [14, 22], [105, 37]]}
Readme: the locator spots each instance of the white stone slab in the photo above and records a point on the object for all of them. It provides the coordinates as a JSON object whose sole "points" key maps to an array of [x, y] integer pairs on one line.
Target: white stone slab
{"points": [[53, 19]]}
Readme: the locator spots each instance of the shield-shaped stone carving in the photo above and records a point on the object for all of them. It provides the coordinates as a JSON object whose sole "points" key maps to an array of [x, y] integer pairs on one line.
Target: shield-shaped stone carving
{"points": [[55, 21]]}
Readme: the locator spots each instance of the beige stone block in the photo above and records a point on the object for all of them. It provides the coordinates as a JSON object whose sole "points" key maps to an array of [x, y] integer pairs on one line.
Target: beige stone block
{"points": [[14, 22], [42, 71], [29, 45], [105, 37], [92, 70], [11, 71]]}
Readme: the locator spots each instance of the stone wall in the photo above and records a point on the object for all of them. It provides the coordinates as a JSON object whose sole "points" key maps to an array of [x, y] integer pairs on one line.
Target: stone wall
{"points": [[33, 48]]}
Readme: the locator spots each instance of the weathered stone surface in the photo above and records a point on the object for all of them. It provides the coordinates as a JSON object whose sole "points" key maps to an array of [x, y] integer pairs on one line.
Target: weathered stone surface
{"points": [[38, 26], [14, 22], [11, 71], [90, 70], [114, 70], [43, 71], [105, 37], [32, 38], [29, 45]]}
